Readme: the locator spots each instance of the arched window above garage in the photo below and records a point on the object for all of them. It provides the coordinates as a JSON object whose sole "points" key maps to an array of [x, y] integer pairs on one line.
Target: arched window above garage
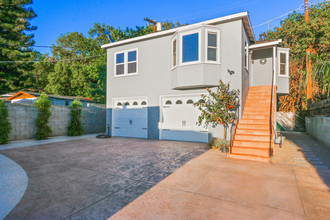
{"points": [[168, 102], [119, 104], [127, 103], [179, 102], [190, 101], [144, 103], [201, 101], [135, 103]]}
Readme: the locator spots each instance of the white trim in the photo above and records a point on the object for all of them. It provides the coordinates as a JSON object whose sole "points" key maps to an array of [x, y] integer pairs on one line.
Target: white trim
{"points": [[214, 31], [246, 52], [286, 52], [125, 52], [267, 44], [161, 33], [131, 100], [199, 32]]}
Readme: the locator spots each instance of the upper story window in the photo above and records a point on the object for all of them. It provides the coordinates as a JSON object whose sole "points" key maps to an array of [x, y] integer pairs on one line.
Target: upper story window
{"points": [[284, 68], [174, 52], [126, 63], [212, 46], [246, 57], [190, 47]]}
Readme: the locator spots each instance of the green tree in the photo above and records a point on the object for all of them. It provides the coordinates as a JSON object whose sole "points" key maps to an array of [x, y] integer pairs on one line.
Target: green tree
{"points": [[43, 105], [15, 23], [218, 107], [298, 35], [5, 126], [75, 127]]}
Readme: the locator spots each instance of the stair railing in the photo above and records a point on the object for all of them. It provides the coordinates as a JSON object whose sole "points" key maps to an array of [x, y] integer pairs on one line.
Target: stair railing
{"points": [[272, 107]]}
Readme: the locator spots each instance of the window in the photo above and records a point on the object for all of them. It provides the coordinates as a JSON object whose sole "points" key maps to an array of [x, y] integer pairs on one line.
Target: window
{"points": [[174, 52], [246, 58], [179, 102], [283, 64], [144, 103], [135, 103], [190, 47], [190, 101], [126, 63], [131, 62], [120, 66], [168, 102], [212, 46]]}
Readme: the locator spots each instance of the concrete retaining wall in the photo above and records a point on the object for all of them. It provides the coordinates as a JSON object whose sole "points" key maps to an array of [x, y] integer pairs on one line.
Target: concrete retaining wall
{"points": [[23, 116], [319, 128]]}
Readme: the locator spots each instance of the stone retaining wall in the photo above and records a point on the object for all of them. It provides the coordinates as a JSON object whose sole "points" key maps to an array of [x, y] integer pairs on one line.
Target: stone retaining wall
{"points": [[23, 116]]}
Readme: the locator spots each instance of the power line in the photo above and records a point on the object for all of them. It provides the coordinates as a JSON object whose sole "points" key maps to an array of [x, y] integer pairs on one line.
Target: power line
{"points": [[52, 61], [279, 17]]}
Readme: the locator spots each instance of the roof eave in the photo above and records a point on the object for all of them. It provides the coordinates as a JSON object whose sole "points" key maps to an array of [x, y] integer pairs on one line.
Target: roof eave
{"points": [[167, 32]]}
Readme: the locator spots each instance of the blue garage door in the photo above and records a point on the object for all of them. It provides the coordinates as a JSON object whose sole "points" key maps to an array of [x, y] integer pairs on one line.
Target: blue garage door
{"points": [[130, 122]]}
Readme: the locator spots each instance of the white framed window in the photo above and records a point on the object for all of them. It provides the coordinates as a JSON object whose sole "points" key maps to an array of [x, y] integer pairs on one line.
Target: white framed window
{"points": [[126, 63], [190, 47], [246, 55], [212, 53], [283, 62], [174, 52]]}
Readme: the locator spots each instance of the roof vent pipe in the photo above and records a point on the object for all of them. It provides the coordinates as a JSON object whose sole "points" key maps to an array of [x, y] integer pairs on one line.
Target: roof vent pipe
{"points": [[159, 26]]}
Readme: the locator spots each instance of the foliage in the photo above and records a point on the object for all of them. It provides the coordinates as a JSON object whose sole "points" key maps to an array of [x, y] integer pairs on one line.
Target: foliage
{"points": [[43, 105], [15, 19], [75, 127], [221, 144], [5, 126], [219, 106], [297, 35]]}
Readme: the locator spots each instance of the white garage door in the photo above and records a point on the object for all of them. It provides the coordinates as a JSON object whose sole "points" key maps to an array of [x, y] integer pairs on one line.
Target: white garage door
{"points": [[179, 117], [130, 117]]}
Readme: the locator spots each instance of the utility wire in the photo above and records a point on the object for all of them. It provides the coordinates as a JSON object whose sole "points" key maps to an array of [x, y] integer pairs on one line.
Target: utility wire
{"points": [[301, 7], [14, 45], [52, 61]]}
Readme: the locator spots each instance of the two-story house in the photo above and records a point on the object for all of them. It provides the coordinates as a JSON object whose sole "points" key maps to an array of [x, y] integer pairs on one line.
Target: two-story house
{"points": [[153, 81]]}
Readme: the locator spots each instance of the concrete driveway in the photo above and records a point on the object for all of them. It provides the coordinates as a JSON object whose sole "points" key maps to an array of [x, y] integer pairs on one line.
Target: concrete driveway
{"points": [[93, 178]]}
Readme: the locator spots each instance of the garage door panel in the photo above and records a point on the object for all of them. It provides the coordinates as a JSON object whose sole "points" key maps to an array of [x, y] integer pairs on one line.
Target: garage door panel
{"points": [[179, 119], [130, 121]]}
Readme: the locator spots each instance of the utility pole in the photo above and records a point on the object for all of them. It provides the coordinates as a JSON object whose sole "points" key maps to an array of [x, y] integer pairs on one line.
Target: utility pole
{"points": [[152, 22], [308, 63]]}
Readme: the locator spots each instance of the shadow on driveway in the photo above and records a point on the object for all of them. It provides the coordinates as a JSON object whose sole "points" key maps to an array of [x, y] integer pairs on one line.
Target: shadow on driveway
{"points": [[93, 178]]}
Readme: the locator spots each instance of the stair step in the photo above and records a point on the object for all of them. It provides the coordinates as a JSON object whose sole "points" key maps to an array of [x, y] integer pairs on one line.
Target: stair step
{"points": [[254, 121], [253, 144], [263, 152], [252, 126], [255, 116], [255, 112], [251, 137], [253, 131], [249, 157], [258, 108]]}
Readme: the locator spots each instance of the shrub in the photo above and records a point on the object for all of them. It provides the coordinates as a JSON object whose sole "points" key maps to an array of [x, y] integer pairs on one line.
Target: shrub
{"points": [[221, 144], [5, 126], [43, 105], [75, 127]]}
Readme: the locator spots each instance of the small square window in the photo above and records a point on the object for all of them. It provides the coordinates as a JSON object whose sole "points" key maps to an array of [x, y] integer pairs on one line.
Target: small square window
{"points": [[132, 67], [212, 46], [126, 63]]}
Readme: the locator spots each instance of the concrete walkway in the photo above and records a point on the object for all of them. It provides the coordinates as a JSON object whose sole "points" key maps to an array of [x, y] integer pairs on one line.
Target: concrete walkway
{"points": [[212, 186], [33, 142]]}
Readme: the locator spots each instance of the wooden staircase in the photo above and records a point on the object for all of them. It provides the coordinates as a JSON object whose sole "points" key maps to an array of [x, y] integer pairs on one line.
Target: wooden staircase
{"points": [[252, 138]]}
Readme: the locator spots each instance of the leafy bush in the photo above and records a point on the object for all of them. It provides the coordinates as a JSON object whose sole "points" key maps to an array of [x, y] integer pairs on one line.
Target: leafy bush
{"points": [[75, 127], [43, 105], [5, 126], [221, 144]]}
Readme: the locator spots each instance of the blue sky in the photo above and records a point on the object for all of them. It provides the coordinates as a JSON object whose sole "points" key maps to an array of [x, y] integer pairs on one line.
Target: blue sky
{"points": [[63, 16]]}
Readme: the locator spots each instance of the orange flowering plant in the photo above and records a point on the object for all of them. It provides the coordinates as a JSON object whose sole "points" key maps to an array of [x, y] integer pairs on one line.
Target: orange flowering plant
{"points": [[219, 106]]}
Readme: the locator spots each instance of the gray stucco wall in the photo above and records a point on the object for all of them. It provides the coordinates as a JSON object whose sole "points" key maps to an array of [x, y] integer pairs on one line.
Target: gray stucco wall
{"points": [[245, 72], [23, 116], [154, 69], [262, 73]]}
